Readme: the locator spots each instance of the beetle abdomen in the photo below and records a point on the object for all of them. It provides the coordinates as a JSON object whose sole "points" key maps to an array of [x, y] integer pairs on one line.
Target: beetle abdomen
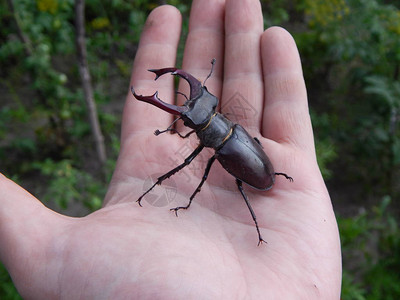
{"points": [[244, 158]]}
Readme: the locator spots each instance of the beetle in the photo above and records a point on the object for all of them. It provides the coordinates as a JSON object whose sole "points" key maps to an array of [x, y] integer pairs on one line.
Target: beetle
{"points": [[239, 154]]}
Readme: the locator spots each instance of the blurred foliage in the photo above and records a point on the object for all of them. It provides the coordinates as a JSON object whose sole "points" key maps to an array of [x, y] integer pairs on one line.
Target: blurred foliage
{"points": [[7, 289], [351, 56], [371, 254], [68, 184], [45, 139], [350, 51]]}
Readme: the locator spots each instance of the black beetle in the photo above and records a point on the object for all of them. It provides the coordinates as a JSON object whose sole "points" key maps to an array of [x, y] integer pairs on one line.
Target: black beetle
{"points": [[240, 154]]}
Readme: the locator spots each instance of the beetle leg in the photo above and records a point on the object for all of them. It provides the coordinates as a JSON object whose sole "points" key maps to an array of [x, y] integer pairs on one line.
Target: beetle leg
{"points": [[183, 136], [286, 176], [240, 187], [258, 141], [173, 130], [209, 164], [160, 179]]}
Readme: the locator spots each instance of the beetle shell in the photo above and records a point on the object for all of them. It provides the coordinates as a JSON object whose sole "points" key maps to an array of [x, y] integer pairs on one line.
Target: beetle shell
{"points": [[245, 159]]}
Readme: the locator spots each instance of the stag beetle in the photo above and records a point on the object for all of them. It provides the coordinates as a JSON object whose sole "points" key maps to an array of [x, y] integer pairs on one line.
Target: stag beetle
{"points": [[240, 154]]}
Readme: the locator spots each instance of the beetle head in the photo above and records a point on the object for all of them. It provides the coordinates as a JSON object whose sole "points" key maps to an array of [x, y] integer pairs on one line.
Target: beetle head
{"points": [[196, 110]]}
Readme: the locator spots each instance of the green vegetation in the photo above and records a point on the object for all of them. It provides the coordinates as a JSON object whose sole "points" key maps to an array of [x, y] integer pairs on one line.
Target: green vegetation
{"points": [[351, 57], [371, 248]]}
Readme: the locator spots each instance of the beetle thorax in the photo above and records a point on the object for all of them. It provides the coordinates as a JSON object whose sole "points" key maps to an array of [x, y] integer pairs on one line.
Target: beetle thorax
{"points": [[200, 110], [216, 132]]}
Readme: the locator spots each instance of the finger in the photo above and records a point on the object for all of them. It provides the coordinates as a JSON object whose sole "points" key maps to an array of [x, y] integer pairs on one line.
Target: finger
{"points": [[157, 49], [286, 117], [204, 42], [25, 227], [243, 86]]}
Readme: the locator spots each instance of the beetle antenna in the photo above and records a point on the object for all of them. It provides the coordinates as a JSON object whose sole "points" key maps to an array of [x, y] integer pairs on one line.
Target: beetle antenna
{"points": [[212, 69], [158, 132], [180, 93]]}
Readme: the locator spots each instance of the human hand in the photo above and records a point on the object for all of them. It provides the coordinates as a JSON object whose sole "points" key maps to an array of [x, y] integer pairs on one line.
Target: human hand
{"points": [[126, 251]]}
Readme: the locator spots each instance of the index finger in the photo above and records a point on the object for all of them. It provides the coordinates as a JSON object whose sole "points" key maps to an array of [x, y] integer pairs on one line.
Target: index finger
{"points": [[157, 49]]}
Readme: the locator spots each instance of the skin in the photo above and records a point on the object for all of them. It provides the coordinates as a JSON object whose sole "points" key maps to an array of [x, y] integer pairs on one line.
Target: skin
{"points": [[124, 251]]}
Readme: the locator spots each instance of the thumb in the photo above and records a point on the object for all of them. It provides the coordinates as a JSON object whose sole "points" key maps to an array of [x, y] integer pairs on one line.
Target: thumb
{"points": [[26, 226]]}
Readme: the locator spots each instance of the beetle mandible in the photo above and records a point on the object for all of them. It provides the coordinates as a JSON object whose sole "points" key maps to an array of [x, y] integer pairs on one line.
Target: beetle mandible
{"points": [[239, 154]]}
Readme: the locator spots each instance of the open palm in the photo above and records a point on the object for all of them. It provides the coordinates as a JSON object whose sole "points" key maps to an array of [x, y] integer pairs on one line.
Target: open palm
{"points": [[124, 251]]}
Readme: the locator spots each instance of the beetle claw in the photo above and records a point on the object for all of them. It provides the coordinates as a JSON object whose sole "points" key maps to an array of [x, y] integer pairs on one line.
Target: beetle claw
{"points": [[154, 100], [175, 210], [261, 240], [195, 85], [149, 99], [286, 176], [160, 72]]}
